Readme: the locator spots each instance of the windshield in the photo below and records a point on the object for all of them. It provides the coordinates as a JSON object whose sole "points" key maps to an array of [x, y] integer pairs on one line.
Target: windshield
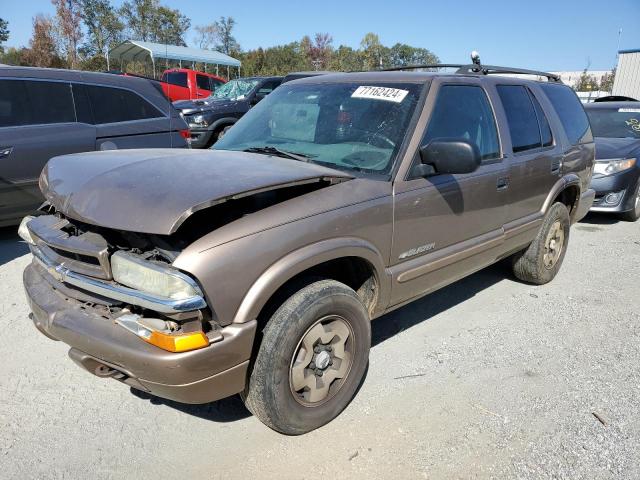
{"points": [[353, 126], [234, 90], [615, 122]]}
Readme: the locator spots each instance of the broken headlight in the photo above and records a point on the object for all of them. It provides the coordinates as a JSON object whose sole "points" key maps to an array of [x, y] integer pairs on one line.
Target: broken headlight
{"points": [[152, 278], [199, 121]]}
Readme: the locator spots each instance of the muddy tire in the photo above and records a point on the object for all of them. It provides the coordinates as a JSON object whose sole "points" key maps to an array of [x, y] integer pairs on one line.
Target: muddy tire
{"points": [[313, 356], [541, 261], [633, 214]]}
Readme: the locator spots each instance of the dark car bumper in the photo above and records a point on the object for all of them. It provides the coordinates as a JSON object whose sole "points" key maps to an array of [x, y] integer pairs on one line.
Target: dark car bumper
{"points": [[200, 137], [623, 185], [105, 349]]}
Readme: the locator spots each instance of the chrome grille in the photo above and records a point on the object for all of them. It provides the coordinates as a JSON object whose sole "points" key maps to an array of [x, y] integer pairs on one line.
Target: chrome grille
{"points": [[86, 253]]}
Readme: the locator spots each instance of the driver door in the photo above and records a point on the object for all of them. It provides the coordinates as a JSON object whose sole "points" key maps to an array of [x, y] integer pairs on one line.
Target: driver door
{"points": [[447, 226]]}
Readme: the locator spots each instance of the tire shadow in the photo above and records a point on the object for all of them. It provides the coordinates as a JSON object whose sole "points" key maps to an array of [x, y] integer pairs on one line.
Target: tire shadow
{"points": [[597, 218], [11, 246], [425, 308], [228, 409]]}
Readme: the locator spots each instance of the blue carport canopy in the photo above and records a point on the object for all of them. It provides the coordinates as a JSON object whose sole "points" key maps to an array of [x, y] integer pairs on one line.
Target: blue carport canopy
{"points": [[135, 50]]}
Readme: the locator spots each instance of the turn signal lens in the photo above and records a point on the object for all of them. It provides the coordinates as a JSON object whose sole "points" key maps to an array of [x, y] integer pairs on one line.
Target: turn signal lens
{"points": [[145, 328], [178, 343]]}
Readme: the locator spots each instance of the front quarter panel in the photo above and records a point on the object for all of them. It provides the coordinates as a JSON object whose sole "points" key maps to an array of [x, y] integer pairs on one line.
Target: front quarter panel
{"points": [[239, 275]]}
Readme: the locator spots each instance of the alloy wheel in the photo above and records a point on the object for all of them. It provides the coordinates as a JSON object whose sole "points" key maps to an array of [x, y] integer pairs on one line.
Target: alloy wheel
{"points": [[553, 245], [322, 360]]}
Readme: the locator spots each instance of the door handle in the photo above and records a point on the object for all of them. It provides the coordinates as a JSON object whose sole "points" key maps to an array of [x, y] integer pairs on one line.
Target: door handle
{"points": [[502, 183], [556, 164], [5, 151]]}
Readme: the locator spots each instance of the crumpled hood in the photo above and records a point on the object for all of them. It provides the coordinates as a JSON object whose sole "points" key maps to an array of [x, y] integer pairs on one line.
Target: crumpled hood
{"points": [[155, 190], [616, 147]]}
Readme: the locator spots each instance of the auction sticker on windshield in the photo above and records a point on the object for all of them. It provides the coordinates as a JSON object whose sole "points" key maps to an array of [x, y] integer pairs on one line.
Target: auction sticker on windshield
{"points": [[380, 93]]}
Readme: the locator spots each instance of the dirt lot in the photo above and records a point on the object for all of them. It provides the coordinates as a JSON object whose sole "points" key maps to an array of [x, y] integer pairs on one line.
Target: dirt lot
{"points": [[486, 378]]}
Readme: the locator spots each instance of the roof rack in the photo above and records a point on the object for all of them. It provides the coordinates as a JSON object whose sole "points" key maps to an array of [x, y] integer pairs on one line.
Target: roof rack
{"points": [[478, 69]]}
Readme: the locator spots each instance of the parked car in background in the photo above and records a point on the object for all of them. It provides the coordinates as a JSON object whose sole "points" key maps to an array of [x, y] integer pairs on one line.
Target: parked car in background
{"points": [[47, 112], [185, 84], [209, 118], [258, 265], [616, 176], [297, 75]]}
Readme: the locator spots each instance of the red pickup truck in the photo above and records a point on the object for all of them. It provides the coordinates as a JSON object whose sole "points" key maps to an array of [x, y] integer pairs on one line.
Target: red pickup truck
{"points": [[185, 84]]}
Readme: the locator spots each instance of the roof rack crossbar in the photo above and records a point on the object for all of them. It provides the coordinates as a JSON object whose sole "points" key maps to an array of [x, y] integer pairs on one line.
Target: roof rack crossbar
{"points": [[415, 67], [476, 69], [492, 69]]}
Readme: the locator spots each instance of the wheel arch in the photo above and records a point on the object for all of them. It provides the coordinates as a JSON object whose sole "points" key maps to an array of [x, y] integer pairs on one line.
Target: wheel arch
{"points": [[566, 190], [350, 260]]}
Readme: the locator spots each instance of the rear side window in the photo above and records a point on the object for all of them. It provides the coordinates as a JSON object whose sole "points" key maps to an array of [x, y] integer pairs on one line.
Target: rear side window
{"points": [[463, 111], [203, 82], [177, 78], [569, 109], [521, 116], [83, 108], [268, 87], [112, 105], [545, 129], [26, 102], [215, 84]]}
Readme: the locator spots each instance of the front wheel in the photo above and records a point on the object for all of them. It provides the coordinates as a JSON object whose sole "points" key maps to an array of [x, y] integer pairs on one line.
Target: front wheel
{"points": [[633, 214], [541, 261], [312, 358]]}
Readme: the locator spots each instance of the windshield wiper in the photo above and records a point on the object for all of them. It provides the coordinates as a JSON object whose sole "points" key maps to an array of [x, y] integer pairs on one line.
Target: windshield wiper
{"points": [[301, 157]]}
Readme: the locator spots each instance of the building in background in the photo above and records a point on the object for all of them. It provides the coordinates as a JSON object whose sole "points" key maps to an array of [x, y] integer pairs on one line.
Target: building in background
{"points": [[627, 81], [572, 78]]}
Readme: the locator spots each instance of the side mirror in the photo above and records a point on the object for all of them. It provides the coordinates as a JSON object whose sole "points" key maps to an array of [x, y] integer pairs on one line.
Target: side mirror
{"points": [[257, 97], [448, 156]]}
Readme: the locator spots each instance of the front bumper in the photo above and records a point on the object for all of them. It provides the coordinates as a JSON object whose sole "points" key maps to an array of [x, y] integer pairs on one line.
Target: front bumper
{"points": [[200, 137], [618, 182], [106, 349]]}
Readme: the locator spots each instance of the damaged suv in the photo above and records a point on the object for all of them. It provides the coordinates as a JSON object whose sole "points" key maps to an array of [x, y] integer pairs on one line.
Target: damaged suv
{"points": [[256, 267]]}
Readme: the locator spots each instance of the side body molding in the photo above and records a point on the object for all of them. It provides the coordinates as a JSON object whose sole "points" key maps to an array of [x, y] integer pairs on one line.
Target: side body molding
{"points": [[307, 257]]}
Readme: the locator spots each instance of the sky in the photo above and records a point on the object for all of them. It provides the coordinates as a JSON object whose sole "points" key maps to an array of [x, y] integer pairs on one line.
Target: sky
{"points": [[542, 34]]}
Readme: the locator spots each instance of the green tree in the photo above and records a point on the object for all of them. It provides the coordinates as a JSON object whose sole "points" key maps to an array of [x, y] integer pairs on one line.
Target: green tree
{"points": [[149, 21], [4, 33], [69, 27], [586, 83], [606, 82], [373, 51], [104, 30], [170, 26], [402, 54], [227, 43], [346, 59]]}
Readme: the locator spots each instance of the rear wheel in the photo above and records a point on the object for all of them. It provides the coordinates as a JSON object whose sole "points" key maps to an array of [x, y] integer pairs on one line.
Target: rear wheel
{"points": [[541, 261], [312, 358], [633, 214]]}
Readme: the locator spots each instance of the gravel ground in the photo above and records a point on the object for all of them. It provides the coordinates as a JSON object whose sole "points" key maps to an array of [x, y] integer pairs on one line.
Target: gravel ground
{"points": [[488, 378]]}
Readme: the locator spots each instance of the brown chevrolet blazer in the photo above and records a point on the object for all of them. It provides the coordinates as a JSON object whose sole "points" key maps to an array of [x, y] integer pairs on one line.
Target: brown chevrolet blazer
{"points": [[256, 267]]}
